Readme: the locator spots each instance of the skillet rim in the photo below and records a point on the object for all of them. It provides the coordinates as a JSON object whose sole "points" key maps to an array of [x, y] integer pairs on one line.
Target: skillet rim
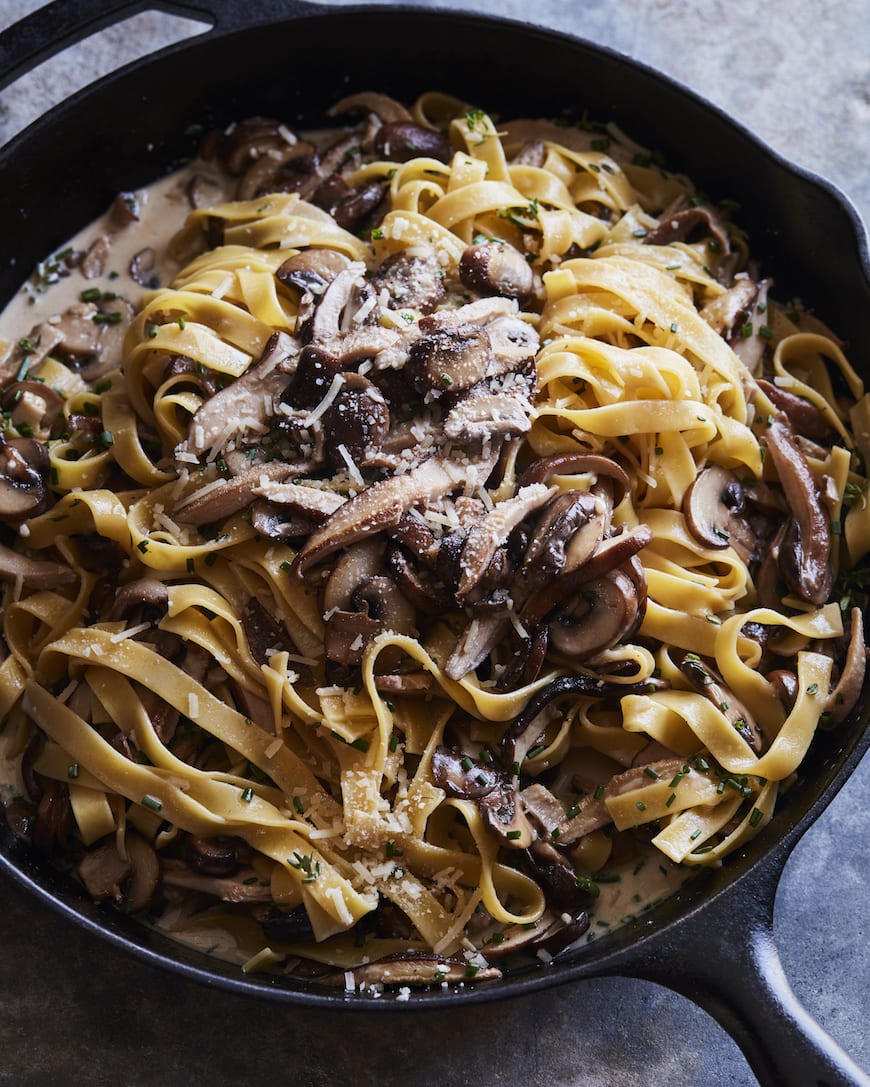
{"points": [[638, 934]]}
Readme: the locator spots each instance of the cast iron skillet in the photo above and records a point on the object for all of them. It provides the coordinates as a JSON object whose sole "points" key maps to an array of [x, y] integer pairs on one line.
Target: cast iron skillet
{"points": [[713, 941]]}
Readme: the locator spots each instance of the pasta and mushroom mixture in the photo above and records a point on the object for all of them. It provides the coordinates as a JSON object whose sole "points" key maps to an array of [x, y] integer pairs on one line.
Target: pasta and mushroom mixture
{"points": [[458, 528]]}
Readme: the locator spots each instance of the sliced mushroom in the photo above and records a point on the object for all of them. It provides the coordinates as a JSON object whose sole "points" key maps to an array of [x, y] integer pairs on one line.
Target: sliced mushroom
{"points": [[285, 926], [723, 312], [34, 574], [715, 512], [219, 500], [710, 684], [555, 873], [448, 360], [842, 699], [23, 464], [378, 606], [381, 105], [245, 404], [220, 856], [745, 340], [493, 530], [312, 270], [412, 280], [678, 227], [245, 886], [597, 617], [264, 633], [143, 267], [93, 263], [491, 789], [805, 418], [496, 268], [543, 470], [805, 551], [550, 933], [565, 536], [145, 877], [146, 598], [400, 141], [488, 416], [33, 404], [103, 870], [356, 423], [412, 968]]}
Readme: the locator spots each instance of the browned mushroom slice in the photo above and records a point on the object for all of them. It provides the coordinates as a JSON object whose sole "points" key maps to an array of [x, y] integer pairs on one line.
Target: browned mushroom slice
{"points": [[312, 270], [805, 551], [220, 856], [550, 933], [146, 599], [486, 416], [33, 574], [400, 141], [346, 205], [220, 500], [709, 683], [448, 360], [381, 105], [247, 141], [418, 583], [514, 343], [723, 312], [245, 886], [145, 876], [412, 968], [103, 870], [93, 263], [543, 470], [475, 644], [314, 503], [33, 404], [378, 606], [596, 618], [404, 683], [565, 536], [356, 423], [496, 268], [381, 506], [264, 633], [244, 405], [490, 788], [715, 510], [412, 280], [23, 464], [143, 267], [842, 699], [489, 534], [285, 168], [29, 352], [556, 875], [679, 226], [805, 418], [745, 339]]}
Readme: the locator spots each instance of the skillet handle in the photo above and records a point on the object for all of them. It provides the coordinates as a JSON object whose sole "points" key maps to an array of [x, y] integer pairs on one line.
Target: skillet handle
{"points": [[50, 29], [748, 993]]}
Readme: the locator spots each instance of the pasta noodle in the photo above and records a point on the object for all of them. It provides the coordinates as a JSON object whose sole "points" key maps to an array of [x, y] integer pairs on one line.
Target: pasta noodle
{"points": [[460, 526]]}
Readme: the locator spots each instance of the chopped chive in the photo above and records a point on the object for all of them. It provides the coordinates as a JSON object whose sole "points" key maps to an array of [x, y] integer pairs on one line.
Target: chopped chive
{"points": [[650, 772], [756, 817], [142, 546], [72, 771], [247, 794], [588, 885], [640, 805], [513, 835], [152, 802], [670, 800]]}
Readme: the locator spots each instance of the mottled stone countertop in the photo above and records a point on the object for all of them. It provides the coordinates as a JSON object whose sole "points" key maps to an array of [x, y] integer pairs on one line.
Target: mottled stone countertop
{"points": [[78, 1012]]}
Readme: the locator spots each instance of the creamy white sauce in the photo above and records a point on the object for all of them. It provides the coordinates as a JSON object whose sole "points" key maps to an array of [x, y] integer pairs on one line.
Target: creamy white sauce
{"points": [[627, 891]]}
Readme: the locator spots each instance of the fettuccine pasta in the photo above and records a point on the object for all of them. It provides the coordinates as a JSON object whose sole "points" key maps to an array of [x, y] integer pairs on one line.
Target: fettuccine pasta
{"points": [[457, 527]]}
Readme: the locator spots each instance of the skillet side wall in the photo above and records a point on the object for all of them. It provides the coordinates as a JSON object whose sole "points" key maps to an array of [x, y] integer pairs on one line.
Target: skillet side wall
{"points": [[131, 128]]}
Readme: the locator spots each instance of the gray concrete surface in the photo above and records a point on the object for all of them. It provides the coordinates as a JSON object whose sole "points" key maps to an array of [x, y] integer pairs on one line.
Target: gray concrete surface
{"points": [[75, 1012]]}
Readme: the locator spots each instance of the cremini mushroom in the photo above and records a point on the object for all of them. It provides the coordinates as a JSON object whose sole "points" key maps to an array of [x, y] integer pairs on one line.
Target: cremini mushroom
{"points": [[493, 267], [23, 466], [716, 513], [399, 141], [805, 549], [495, 794], [411, 280], [704, 678]]}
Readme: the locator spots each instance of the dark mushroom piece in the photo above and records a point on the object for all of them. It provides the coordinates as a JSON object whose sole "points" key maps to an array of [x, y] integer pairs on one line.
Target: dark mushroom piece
{"points": [[679, 226], [805, 550], [490, 788], [284, 926], [710, 684], [312, 270], [599, 615], [381, 105], [556, 875], [34, 574], [93, 263], [146, 600], [222, 856], [496, 268], [233, 495], [145, 877], [516, 742], [356, 423], [476, 642], [244, 886], [716, 514], [264, 633], [247, 401], [805, 418], [550, 933], [33, 404], [448, 360], [411, 968], [378, 606], [412, 280], [543, 470], [400, 141], [564, 536], [23, 465]]}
